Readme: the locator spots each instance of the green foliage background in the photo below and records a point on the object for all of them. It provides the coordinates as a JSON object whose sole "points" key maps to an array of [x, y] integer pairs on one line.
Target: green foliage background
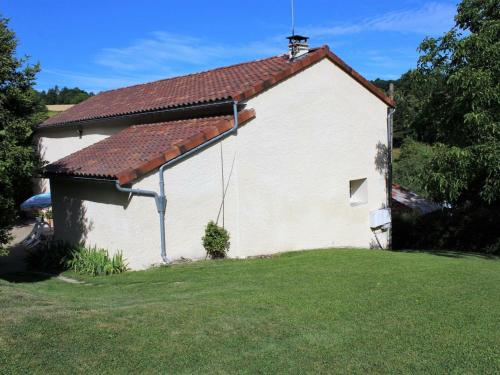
{"points": [[448, 112], [447, 125], [20, 111], [460, 116]]}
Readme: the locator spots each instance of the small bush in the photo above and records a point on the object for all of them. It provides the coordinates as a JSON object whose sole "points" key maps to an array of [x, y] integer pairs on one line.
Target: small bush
{"points": [[60, 256], [216, 241], [95, 262]]}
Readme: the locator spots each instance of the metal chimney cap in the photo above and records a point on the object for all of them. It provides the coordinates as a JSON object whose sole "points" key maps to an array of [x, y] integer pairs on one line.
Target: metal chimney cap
{"points": [[297, 38]]}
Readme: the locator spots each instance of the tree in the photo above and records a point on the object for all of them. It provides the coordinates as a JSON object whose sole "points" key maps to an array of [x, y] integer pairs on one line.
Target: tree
{"points": [[410, 91], [20, 111], [52, 95], [64, 96], [458, 114]]}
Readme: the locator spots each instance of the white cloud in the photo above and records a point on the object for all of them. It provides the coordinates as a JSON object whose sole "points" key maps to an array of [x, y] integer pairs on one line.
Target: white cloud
{"points": [[385, 64], [152, 52], [161, 56], [162, 51], [171, 54], [90, 82], [431, 18]]}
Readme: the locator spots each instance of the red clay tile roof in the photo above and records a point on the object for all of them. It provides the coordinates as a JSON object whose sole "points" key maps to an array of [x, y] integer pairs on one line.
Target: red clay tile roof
{"points": [[236, 82], [140, 149]]}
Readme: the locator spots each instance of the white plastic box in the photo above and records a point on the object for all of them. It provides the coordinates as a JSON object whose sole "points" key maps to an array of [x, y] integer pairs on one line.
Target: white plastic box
{"points": [[380, 218]]}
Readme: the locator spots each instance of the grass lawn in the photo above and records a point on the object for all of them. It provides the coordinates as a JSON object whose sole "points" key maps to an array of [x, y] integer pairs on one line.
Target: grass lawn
{"points": [[53, 113], [336, 311]]}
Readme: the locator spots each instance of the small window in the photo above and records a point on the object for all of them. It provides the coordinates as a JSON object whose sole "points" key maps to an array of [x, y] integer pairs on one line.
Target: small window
{"points": [[358, 191]]}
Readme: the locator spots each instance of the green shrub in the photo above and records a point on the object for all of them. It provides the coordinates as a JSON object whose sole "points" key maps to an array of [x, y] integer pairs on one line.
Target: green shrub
{"points": [[60, 256], [95, 262], [216, 241]]}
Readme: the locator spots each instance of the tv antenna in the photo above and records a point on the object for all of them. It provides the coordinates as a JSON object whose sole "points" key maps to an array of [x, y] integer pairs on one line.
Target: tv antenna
{"points": [[297, 44]]}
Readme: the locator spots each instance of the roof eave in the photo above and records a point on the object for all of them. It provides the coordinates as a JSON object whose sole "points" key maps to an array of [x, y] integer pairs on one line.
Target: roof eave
{"points": [[169, 109], [86, 177], [360, 79]]}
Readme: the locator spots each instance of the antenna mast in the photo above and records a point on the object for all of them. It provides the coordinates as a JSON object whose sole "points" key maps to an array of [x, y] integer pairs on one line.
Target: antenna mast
{"points": [[297, 44]]}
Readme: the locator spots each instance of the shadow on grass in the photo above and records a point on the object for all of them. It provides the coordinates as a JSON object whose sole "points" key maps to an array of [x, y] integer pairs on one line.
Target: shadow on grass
{"points": [[450, 253], [13, 268], [26, 277]]}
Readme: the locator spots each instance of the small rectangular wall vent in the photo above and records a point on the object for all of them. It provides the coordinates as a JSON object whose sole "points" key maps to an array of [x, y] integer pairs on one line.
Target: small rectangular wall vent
{"points": [[358, 191]]}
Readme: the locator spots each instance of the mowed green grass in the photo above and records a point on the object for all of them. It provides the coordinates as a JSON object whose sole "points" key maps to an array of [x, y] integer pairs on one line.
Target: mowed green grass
{"points": [[325, 311], [53, 113]]}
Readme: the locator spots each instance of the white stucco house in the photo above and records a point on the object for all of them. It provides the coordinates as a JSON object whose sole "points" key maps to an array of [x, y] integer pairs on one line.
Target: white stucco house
{"points": [[285, 152]]}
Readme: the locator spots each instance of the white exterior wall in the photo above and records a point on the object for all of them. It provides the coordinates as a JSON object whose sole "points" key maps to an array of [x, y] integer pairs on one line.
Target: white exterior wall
{"points": [[56, 143], [312, 134], [289, 187]]}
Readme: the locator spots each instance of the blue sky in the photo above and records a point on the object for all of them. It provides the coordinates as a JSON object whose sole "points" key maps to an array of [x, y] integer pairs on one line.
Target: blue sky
{"points": [[101, 45]]}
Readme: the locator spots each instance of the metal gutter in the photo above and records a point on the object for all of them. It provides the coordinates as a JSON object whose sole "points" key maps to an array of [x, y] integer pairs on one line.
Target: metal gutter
{"points": [[161, 199], [72, 177]]}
